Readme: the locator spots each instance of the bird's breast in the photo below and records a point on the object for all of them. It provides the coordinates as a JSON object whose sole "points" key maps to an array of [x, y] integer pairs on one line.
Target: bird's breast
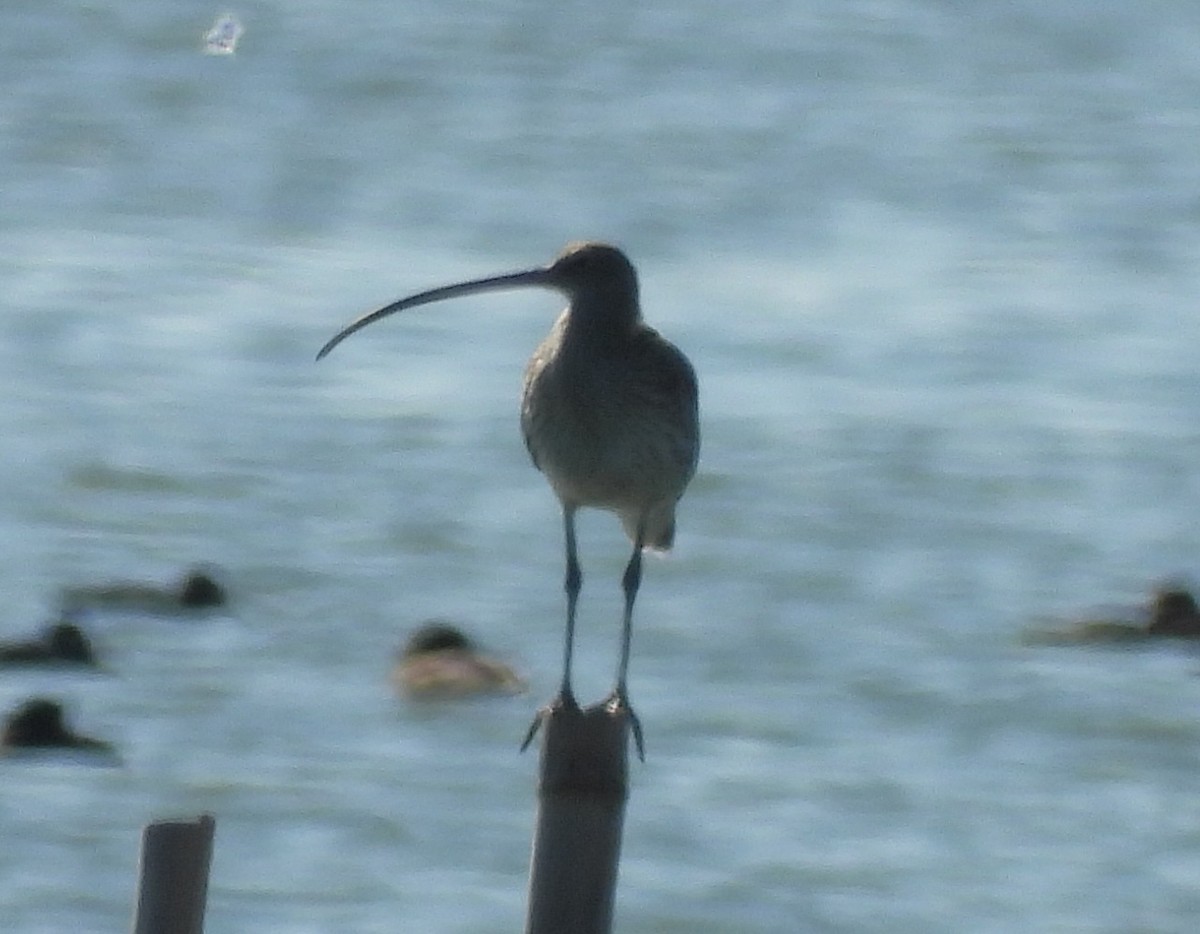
{"points": [[609, 429]]}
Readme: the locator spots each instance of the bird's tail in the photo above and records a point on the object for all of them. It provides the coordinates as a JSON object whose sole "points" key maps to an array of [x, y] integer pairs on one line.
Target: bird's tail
{"points": [[659, 529]]}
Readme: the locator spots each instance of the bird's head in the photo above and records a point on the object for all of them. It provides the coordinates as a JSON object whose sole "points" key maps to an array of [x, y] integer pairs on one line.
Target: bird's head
{"points": [[598, 279]]}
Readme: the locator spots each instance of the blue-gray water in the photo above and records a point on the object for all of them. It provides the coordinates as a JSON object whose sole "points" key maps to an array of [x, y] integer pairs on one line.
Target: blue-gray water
{"points": [[937, 267]]}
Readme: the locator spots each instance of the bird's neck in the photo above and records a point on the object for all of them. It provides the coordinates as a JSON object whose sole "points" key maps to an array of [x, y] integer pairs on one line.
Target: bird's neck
{"points": [[600, 322]]}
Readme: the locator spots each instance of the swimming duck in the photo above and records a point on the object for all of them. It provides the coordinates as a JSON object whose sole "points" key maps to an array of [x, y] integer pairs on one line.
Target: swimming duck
{"points": [[440, 662], [38, 723], [197, 590], [1172, 614], [62, 643]]}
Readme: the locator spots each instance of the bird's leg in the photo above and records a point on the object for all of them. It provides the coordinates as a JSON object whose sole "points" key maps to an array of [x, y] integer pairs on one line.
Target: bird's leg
{"points": [[630, 582], [573, 584]]}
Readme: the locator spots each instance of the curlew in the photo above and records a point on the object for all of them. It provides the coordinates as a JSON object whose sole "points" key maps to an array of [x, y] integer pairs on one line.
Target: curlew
{"points": [[609, 413]]}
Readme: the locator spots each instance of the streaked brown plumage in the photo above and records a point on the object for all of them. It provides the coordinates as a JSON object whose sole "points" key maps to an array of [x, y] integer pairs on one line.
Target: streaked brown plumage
{"points": [[609, 412]]}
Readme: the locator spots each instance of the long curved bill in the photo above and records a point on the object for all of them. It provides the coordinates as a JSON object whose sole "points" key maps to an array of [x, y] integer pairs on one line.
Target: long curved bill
{"points": [[514, 280]]}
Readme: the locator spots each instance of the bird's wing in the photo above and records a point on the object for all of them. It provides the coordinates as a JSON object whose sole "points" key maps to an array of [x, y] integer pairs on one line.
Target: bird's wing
{"points": [[672, 379]]}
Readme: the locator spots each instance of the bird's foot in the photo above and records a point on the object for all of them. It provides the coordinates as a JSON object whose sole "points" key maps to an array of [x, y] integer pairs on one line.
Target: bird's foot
{"points": [[564, 698], [533, 727], [618, 702]]}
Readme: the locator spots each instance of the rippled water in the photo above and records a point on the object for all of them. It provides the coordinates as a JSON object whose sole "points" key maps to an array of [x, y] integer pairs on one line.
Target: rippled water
{"points": [[936, 267]]}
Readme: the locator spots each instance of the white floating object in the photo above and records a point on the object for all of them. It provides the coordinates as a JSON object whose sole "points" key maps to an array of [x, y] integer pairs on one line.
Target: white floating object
{"points": [[222, 38]]}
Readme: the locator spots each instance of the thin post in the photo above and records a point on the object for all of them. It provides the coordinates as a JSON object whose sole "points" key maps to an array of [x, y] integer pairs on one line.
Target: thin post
{"points": [[582, 789], [173, 876]]}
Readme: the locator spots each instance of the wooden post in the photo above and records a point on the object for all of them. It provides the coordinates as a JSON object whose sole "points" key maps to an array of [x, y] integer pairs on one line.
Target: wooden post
{"points": [[582, 790], [173, 876]]}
